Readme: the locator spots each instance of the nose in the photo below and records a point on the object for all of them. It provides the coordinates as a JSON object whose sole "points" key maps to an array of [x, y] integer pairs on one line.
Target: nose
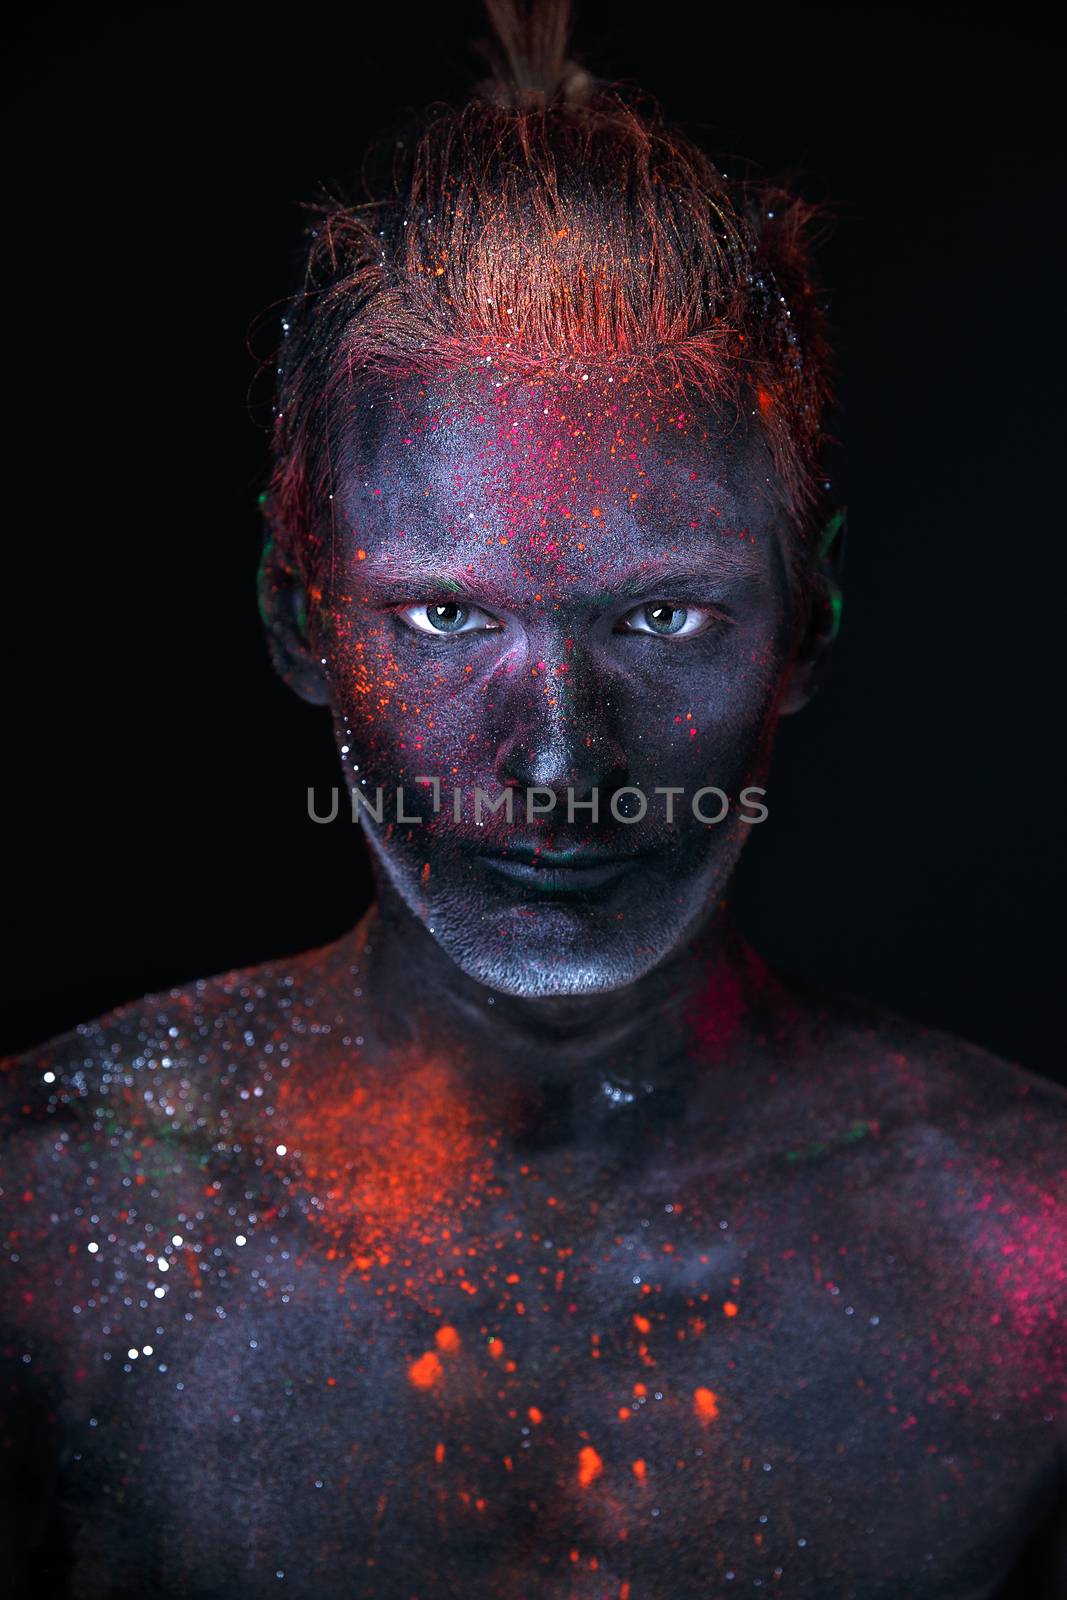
{"points": [[561, 732]]}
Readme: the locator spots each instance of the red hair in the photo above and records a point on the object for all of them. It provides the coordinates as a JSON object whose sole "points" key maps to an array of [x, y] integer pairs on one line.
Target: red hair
{"points": [[548, 224]]}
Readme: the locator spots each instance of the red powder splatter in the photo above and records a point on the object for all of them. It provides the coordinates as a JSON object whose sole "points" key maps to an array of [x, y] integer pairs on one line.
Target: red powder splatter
{"points": [[706, 1404], [425, 1371], [716, 1013], [393, 1161]]}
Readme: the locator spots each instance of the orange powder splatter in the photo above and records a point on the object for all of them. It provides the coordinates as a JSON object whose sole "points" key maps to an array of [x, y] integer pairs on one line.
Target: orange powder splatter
{"points": [[730, 1308], [391, 1157], [447, 1339], [535, 1416], [439, 1453], [590, 1466], [642, 1324], [640, 1471], [426, 1371], [706, 1404]]}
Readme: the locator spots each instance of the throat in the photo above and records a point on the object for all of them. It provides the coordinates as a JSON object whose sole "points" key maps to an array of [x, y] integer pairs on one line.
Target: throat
{"points": [[557, 1069]]}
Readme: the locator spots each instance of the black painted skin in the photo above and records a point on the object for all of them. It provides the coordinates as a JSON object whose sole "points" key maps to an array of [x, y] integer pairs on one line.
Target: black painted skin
{"points": [[423, 1241]]}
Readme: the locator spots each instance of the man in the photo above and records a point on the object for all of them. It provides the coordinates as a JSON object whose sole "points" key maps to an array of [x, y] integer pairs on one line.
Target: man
{"points": [[533, 1240]]}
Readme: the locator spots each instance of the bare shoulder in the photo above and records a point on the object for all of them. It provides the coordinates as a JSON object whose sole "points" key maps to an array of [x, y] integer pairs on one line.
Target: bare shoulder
{"points": [[180, 1053], [915, 1086], [142, 1101], [961, 1153]]}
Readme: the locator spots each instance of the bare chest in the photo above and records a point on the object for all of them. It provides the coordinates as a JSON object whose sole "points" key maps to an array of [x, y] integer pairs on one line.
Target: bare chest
{"points": [[520, 1392]]}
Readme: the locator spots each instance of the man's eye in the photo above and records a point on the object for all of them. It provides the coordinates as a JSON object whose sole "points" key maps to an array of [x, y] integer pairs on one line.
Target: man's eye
{"points": [[667, 620], [448, 616]]}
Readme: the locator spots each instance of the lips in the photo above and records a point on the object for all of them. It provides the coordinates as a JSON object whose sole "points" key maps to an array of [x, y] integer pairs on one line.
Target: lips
{"points": [[572, 871]]}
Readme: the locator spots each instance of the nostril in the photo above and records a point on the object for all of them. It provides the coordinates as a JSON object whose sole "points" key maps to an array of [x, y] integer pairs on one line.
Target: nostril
{"points": [[610, 780], [522, 764], [590, 763]]}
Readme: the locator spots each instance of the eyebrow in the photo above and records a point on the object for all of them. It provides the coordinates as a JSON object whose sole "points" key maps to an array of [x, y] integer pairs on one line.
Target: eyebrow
{"points": [[736, 559], [592, 588]]}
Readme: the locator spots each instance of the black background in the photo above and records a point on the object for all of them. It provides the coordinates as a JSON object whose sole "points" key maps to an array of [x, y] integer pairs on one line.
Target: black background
{"points": [[158, 772]]}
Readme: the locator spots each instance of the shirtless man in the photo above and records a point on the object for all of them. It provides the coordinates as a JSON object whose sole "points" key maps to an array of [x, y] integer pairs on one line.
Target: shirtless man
{"points": [[533, 1240]]}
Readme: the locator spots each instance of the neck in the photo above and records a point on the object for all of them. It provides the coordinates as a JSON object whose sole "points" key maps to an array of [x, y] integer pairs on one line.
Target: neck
{"points": [[596, 1050]]}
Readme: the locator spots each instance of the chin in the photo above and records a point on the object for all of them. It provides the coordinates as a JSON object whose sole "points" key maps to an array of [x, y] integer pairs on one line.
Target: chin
{"points": [[529, 945], [555, 949], [538, 974]]}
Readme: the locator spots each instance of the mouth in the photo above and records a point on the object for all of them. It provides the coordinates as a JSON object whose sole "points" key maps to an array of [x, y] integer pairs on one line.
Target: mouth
{"points": [[556, 872]]}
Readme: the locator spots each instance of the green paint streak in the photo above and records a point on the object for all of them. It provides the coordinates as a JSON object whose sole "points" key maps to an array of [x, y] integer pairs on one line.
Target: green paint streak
{"points": [[821, 1147], [837, 605], [830, 533], [261, 581]]}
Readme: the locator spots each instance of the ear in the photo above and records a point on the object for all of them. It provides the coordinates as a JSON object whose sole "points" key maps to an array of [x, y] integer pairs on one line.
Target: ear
{"points": [[824, 620], [283, 609]]}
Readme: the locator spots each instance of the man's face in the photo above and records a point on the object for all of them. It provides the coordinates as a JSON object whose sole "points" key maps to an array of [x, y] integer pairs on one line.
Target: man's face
{"points": [[552, 588]]}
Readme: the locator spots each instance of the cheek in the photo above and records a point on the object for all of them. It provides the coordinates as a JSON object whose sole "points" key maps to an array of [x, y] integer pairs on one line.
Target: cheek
{"points": [[361, 661], [709, 710], [397, 711]]}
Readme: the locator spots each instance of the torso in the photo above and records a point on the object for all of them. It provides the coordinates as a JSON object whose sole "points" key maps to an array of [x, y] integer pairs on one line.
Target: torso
{"points": [[796, 1333]]}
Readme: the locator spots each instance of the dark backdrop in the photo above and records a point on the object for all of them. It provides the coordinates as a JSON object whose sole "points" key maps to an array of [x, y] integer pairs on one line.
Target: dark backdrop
{"points": [[158, 772]]}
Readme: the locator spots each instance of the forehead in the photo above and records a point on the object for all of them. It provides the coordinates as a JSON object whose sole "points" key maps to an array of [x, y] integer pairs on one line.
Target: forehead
{"points": [[556, 474]]}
